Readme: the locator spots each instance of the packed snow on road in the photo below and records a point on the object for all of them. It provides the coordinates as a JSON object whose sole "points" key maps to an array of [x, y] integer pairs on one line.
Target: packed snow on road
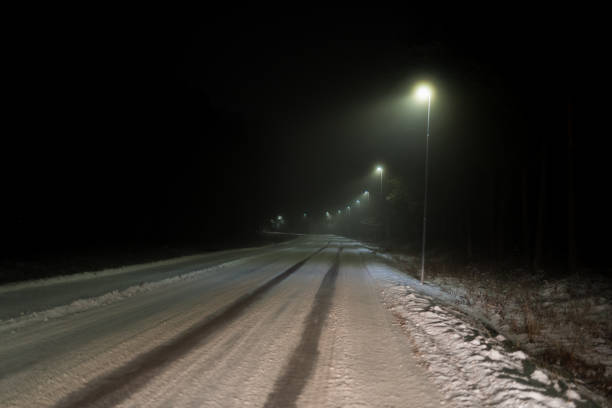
{"points": [[318, 321]]}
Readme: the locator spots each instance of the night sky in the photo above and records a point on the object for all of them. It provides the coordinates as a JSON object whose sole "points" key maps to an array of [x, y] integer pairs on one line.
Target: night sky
{"points": [[159, 130]]}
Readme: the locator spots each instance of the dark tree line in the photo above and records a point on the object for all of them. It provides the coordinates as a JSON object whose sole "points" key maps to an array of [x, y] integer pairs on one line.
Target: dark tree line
{"points": [[513, 199]]}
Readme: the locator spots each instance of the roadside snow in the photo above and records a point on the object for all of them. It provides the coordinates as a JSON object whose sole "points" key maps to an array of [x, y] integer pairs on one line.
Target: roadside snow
{"points": [[464, 360], [92, 274], [81, 305], [567, 318], [83, 276], [538, 375]]}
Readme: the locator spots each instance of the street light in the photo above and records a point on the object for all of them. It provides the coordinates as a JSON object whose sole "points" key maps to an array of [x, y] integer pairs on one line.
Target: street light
{"points": [[366, 194], [379, 169], [423, 92]]}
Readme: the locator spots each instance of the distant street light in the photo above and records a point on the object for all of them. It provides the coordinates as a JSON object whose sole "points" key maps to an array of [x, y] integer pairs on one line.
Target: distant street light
{"points": [[348, 208], [423, 92], [366, 194], [379, 169]]}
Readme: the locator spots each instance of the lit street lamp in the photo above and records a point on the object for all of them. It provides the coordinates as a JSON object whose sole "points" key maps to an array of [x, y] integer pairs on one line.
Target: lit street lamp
{"points": [[424, 93], [379, 169]]}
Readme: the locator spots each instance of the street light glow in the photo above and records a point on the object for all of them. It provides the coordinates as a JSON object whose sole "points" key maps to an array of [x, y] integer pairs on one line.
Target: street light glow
{"points": [[379, 169], [423, 92]]}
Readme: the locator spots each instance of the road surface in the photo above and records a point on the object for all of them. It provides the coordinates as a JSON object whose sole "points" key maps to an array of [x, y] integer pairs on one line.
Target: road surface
{"points": [[297, 324], [319, 321]]}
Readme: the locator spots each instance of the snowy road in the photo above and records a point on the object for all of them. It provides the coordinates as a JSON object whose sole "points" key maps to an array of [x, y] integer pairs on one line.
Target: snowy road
{"points": [[307, 323]]}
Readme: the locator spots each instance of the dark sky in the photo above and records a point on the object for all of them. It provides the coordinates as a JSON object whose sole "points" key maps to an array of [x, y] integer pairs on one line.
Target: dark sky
{"points": [[139, 127]]}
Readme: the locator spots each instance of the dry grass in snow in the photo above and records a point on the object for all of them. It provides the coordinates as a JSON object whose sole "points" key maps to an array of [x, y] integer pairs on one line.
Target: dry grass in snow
{"points": [[565, 323]]}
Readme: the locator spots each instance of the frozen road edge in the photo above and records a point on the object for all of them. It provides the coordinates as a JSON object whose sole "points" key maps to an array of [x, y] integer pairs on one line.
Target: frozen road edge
{"points": [[470, 366]]}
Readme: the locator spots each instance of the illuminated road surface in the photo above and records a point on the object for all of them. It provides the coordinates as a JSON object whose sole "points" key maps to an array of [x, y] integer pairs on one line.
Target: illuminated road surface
{"points": [[299, 324]]}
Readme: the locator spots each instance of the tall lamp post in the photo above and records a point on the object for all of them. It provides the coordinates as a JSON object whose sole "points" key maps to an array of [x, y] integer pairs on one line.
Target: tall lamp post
{"points": [[380, 203], [424, 93], [379, 169]]}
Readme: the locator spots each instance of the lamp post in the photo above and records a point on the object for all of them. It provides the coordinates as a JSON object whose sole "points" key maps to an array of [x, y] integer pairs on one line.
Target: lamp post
{"points": [[424, 93], [379, 169]]}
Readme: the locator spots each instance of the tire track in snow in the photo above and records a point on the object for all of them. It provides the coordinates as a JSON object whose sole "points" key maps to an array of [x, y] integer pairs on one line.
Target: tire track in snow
{"points": [[113, 388], [298, 370]]}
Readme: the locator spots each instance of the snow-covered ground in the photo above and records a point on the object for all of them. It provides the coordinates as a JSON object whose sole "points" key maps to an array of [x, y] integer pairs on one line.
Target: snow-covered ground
{"points": [[565, 319], [45, 298], [565, 324], [85, 303], [319, 322], [45, 360], [463, 357], [87, 275]]}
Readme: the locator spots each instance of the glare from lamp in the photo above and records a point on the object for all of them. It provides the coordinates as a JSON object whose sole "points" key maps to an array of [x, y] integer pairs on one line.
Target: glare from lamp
{"points": [[423, 92]]}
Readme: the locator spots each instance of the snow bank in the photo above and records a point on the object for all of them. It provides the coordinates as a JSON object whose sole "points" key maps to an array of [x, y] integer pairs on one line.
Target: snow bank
{"points": [[92, 274], [82, 305], [9, 287], [469, 365]]}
